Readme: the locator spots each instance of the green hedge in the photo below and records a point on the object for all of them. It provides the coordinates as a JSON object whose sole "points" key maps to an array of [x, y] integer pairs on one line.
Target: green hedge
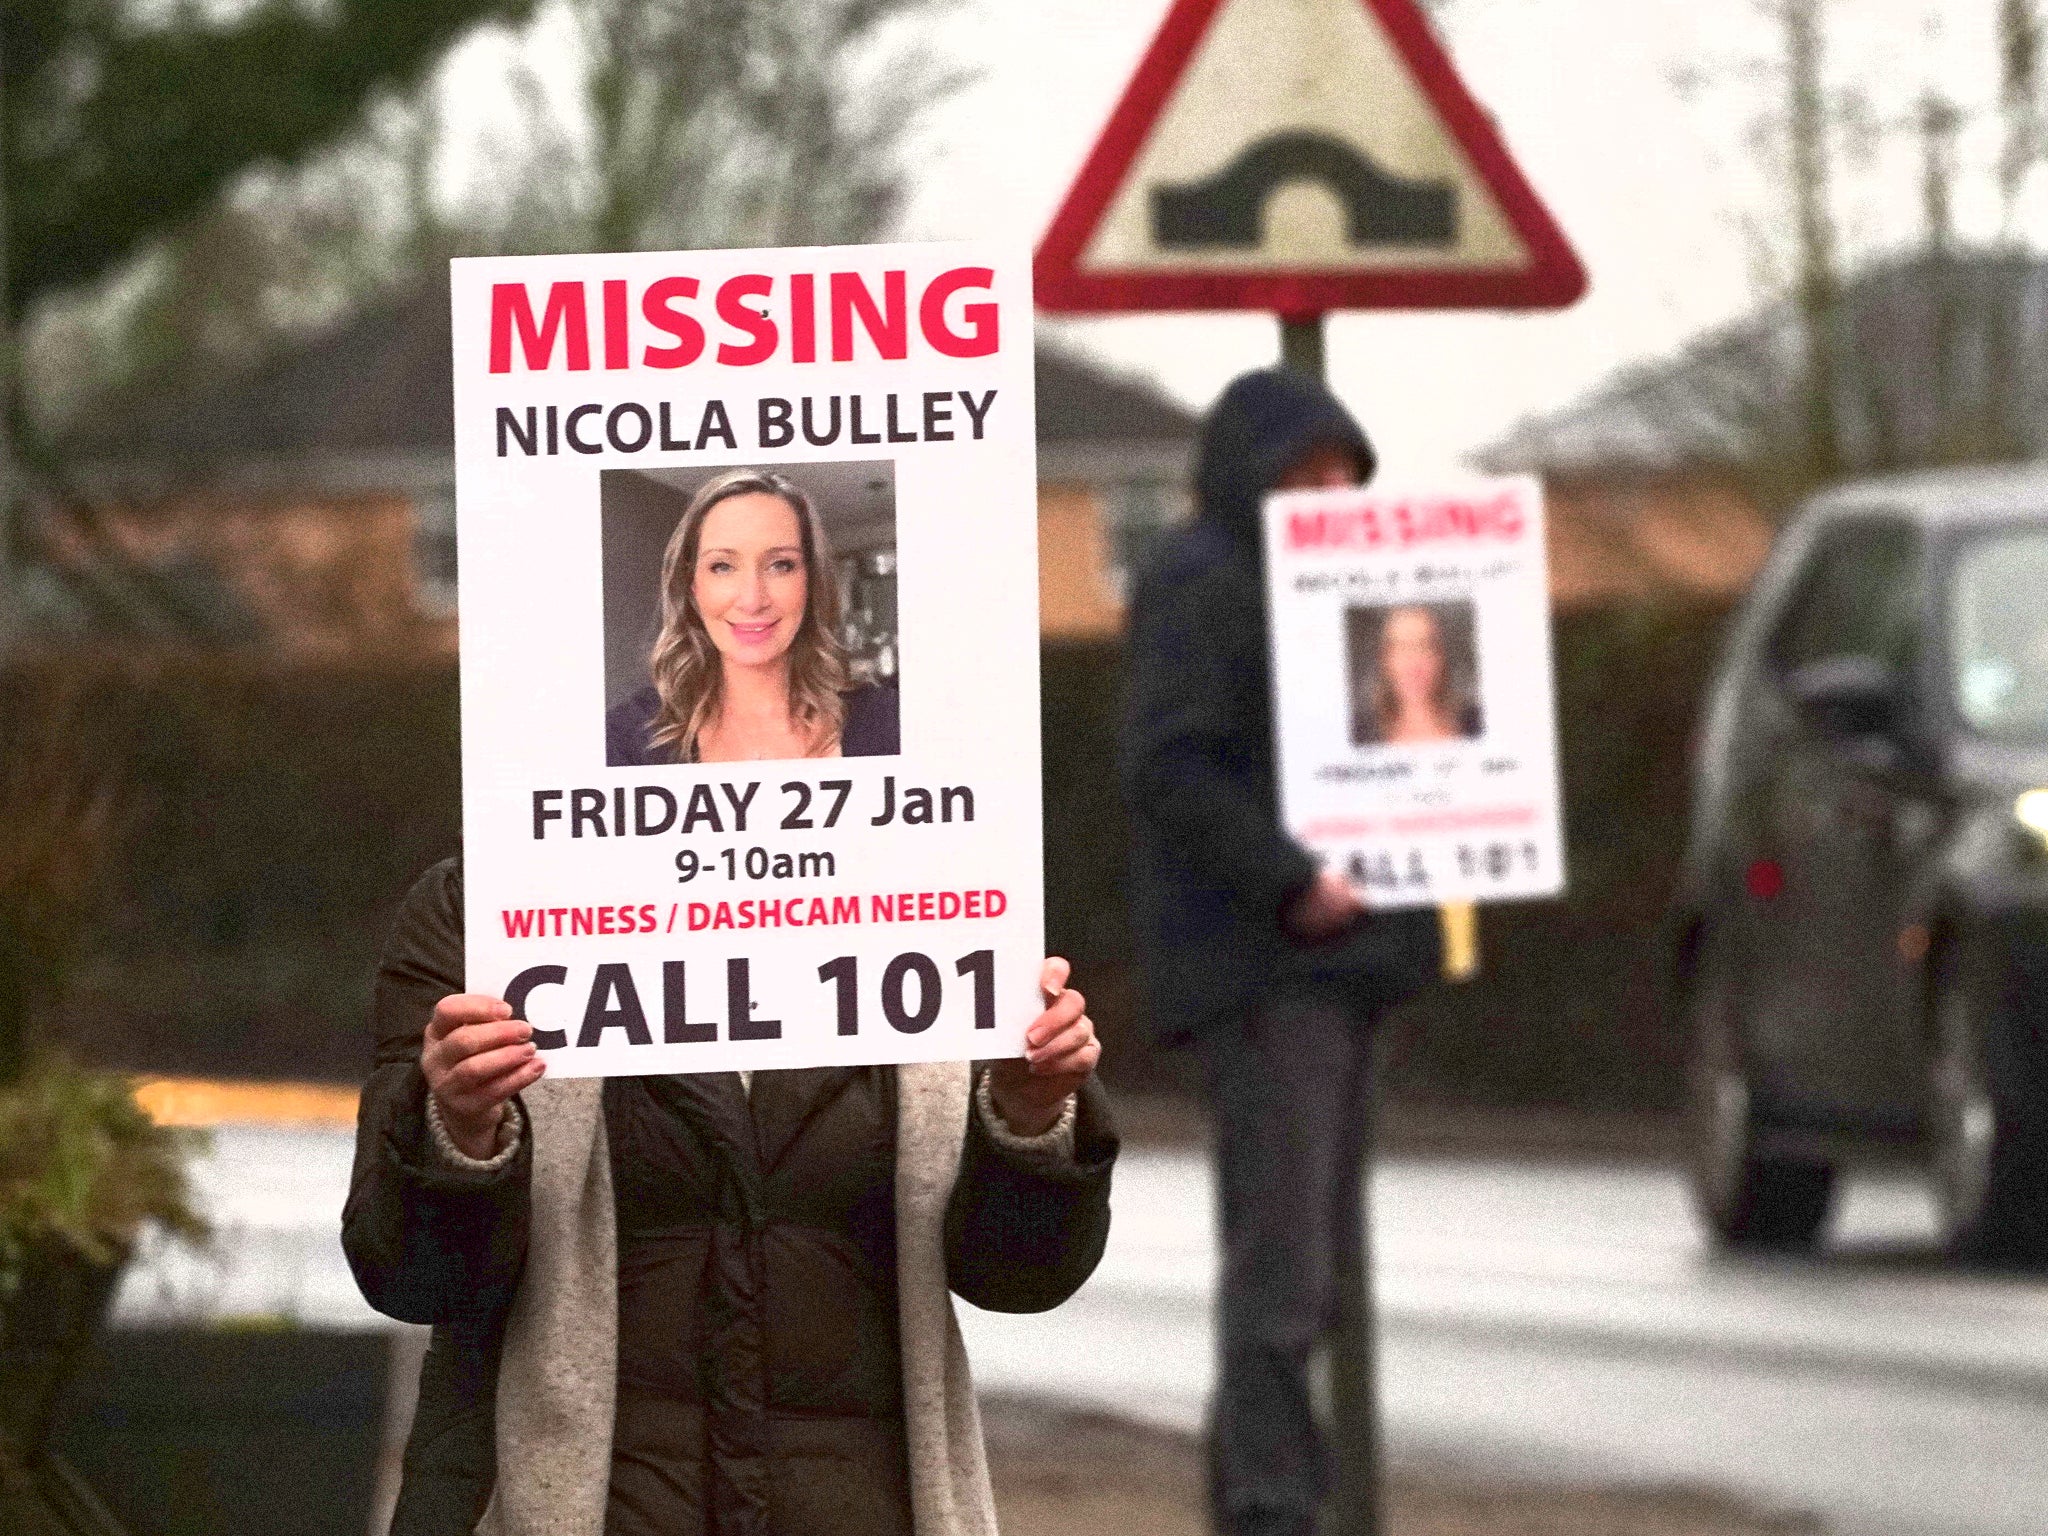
{"points": [[1564, 1012], [278, 814]]}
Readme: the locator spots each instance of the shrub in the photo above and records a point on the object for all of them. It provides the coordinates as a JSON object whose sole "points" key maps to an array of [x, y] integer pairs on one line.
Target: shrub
{"points": [[83, 1166]]}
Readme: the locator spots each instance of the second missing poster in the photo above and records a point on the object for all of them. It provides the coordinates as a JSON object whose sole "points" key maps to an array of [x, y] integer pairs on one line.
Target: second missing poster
{"points": [[1415, 715]]}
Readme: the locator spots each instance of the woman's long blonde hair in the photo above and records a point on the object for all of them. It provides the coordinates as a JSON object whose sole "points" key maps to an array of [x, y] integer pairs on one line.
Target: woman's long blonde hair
{"points": [[1452, 697], [685, 665]]}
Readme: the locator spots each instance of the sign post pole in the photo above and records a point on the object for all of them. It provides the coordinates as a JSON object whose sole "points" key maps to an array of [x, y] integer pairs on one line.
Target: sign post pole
{"points": [[1301, 346], [1354, 1348], [1354, 1386], [1444, 797], [1175, 210], [1354, 1381]]}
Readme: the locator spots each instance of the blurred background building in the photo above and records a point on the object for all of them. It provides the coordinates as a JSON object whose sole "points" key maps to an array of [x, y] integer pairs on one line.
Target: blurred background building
{"points": [[308, 504]]}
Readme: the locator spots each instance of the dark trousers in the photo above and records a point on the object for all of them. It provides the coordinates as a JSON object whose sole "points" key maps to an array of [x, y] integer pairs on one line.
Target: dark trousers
{"points": [[1289, 1091]]}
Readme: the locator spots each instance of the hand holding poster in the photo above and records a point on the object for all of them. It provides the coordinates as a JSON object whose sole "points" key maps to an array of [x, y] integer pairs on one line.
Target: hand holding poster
{"points": [[1415, 714], [750, 654]]}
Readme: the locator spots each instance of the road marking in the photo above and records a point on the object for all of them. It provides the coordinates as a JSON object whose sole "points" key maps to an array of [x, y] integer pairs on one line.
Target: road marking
{"points": [[198, 1101]]}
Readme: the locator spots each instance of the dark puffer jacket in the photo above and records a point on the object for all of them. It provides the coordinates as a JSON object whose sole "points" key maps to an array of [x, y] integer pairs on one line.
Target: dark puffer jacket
{"points": [[759, 1385], [1212, 869]]}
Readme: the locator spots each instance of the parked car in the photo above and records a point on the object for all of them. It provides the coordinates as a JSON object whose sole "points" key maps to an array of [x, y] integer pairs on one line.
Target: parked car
{"points": [[1858, 946]]}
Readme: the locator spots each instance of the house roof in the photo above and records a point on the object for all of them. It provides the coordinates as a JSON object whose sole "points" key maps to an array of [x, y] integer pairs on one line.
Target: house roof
{"points": [[1939, 358], [375, 389], [1078, 402]]}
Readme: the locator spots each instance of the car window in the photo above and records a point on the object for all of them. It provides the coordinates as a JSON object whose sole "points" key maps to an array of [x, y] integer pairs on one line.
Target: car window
{"points": [[1998, 633], [1858, 596]]}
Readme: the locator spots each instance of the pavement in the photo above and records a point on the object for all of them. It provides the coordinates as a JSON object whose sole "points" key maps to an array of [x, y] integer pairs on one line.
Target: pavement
{"points": [[1541, 1322]]}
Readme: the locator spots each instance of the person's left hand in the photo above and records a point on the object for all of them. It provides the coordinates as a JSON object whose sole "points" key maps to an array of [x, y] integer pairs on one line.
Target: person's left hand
{"points": [[1060, 1052]]}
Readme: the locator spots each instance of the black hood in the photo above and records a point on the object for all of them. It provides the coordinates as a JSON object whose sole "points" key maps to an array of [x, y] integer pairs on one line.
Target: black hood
{"points": [[1260, 425]]}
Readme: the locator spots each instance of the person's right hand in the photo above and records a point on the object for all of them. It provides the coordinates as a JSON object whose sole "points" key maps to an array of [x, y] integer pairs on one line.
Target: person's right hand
{"points": [[1328, 906], [476, 1056]]}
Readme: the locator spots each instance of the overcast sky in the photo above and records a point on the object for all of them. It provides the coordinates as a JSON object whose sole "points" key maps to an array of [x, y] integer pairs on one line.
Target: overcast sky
{"points": [[1652, 184]]}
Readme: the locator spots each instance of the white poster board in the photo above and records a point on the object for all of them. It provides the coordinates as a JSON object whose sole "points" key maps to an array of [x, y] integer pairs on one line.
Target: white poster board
{"points": [[652, 909], [1415, 715]]}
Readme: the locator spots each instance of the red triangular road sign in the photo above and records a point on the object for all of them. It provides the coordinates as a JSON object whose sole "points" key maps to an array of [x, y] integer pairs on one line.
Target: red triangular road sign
{"points": [[1301, 156]]}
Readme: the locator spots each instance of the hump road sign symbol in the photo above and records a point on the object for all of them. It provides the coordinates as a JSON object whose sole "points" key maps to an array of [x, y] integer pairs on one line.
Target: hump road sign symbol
{"points": [[1301, 156], [1227, 209]]}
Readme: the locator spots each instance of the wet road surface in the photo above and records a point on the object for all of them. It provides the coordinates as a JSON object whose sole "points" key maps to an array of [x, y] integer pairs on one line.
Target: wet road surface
{"points": [[1565, 1323], [1540, 1321]]}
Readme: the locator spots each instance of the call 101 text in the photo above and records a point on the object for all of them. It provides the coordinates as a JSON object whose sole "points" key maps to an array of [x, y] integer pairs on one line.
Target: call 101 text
{"points": [[910, 995], [1384, 870]]}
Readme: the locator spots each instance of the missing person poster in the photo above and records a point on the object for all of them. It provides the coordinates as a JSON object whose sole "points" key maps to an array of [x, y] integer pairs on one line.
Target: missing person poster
{"points": [[748, 581], [1415, 715]]}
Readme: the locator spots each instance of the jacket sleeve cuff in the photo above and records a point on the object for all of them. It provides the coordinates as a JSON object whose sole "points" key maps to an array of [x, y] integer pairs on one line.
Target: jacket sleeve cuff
{"points": [[511, 1130], [1292, 871], [1053, 1145]]}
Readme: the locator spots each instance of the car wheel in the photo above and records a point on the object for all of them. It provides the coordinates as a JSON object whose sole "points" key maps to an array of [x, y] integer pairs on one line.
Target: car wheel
{"points": [[1746, 1196], [1989, 1139]]}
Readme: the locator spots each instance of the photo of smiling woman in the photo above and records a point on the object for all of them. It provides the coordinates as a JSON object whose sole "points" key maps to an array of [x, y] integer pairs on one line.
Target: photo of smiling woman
{"points": [[749, 664], [1414, 674]]}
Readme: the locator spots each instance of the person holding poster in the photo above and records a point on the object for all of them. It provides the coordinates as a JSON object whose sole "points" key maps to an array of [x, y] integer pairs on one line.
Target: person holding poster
{"points": [[676, 1134], [761, 1343], [1266, 962]]}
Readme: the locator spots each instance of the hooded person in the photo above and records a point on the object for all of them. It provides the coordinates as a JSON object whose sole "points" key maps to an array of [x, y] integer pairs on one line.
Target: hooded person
{"points": [[1267, 964]]}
